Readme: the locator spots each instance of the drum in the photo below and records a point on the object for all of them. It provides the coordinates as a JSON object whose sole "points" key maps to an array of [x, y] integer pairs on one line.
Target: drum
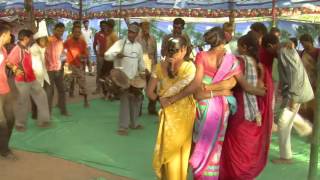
{"points": [[137, 85], [138, 82], [115, 83]]}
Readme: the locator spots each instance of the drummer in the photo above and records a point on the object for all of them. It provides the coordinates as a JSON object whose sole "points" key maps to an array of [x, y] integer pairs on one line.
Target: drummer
{"points": [[127, 55]]}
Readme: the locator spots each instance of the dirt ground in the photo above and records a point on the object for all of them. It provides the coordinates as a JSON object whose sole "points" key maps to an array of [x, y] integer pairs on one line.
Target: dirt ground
{"points": [[34, 166]]}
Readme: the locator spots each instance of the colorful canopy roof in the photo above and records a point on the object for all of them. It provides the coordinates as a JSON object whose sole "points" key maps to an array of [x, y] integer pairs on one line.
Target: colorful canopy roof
{"points": [[156, 8]]}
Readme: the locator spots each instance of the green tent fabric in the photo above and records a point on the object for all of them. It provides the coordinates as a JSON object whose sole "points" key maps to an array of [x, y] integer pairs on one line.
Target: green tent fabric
{"points": [[89, 137]]}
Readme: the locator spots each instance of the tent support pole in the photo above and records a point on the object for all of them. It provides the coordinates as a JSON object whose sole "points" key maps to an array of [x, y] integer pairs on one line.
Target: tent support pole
{"points": [[120, 9], [274, 15], [232, 15], [80, 10], [28, 5], [314, 150]]}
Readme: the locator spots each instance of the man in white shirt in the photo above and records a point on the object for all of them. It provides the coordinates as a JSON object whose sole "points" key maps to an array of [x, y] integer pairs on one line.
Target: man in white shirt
{"points": [[87, 34], [127, 53]]}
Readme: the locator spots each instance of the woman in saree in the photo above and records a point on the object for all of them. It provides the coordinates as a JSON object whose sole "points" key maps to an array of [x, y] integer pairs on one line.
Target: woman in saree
{"points": [[246, 144], [214, 68], [173, 144]]}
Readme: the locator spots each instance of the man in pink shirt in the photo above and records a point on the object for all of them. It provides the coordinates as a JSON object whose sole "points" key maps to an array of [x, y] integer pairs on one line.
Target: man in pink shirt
{"points": [[7, 98], [27, 84], [53, 63]]}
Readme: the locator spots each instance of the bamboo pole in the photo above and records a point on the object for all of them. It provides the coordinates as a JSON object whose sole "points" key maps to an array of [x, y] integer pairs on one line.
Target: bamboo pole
{"points": [[274, 14], [231, 15], [28, 5], [314, 150], [80, 10], [120, 9]]}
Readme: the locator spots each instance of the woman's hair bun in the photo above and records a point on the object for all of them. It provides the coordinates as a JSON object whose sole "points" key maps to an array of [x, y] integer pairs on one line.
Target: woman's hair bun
{"points": [[214, 37]]}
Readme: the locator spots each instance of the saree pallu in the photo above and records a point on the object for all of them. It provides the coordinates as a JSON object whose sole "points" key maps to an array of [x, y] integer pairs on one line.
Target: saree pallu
{"points": [[246, 146], [211, 123], [172, 149]]}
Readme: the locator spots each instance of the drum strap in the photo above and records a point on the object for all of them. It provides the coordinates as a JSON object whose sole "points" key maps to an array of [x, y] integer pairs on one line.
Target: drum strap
{"points": [[122, 50]]}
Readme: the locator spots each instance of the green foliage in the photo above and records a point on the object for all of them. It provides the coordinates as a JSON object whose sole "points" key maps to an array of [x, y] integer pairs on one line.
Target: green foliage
{"points": [[94, 31], [157, 33], [237, 35], [50, 24], [312, 29], [285, 35], [196, 37], [69, 27]]}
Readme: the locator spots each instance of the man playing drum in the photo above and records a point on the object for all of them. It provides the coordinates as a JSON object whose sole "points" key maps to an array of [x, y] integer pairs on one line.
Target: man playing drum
{"points": [[127, 55]]}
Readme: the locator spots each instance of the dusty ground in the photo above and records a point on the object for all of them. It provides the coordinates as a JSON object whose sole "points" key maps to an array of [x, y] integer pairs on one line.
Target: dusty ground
{"points": [[34, 166]]}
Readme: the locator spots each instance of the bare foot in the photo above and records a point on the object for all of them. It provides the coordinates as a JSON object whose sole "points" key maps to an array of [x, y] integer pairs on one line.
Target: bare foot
{"points": [[20, 128], [44, 125], [282, 161], [122, 132], [137, 127], [10, 157]]}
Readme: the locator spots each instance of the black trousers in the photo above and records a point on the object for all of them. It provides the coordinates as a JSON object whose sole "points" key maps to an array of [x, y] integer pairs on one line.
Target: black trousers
{"points": [[106, 68], [56, 79], [7, 119], [152, 103]]}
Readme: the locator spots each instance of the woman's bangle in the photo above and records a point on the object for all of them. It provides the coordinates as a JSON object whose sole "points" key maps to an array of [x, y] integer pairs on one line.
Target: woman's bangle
{"points": [[211, 94], [204, 87]]}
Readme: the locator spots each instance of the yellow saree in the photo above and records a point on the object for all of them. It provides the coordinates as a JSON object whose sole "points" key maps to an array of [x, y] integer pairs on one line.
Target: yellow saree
{"points": [[172, 149]]}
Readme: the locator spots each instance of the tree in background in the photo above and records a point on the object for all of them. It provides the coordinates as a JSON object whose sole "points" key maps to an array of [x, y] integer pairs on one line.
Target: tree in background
{"points": [[156, 32], [237, 35], [190, 30], [285, 35], [123, 28], [312, 29]]}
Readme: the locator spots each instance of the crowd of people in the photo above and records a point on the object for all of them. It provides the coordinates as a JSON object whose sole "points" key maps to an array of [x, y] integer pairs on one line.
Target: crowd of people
{"points": [[217, 109]]}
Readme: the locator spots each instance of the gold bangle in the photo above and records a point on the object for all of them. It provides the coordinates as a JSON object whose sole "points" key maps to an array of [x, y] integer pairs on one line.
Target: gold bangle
{"points": [[14, 69], [204, 87]]}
